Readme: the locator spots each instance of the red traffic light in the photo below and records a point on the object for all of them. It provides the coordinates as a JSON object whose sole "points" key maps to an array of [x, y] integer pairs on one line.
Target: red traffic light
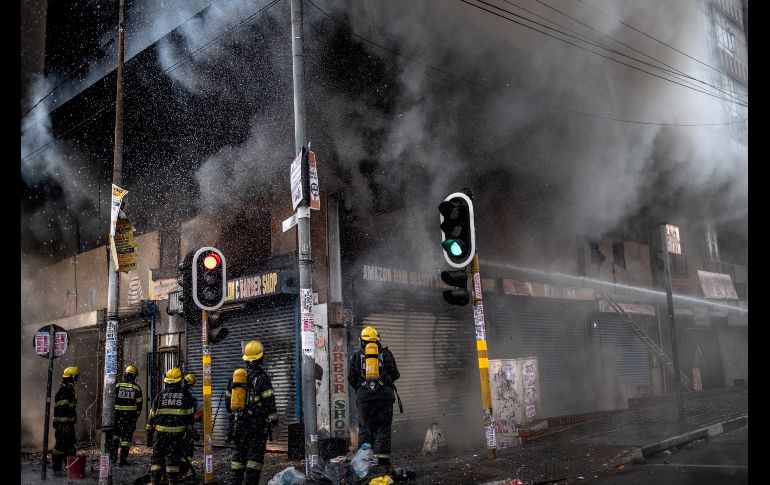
{"points": [[211, 261]]}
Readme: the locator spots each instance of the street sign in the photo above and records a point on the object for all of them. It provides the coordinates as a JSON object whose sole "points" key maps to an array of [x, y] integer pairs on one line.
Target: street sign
{"points": [[290, 222], [41, 342], [296, 181]]}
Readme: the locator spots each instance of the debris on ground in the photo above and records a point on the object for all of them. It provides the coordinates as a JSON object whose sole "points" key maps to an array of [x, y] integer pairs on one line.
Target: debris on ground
{"points": [[287, 476]]}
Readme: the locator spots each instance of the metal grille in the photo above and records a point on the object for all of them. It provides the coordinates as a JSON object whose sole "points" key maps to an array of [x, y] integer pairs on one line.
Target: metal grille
{"points": [[435, 353], [273, 322], [554, 332], [626, 358], [734, 346]]}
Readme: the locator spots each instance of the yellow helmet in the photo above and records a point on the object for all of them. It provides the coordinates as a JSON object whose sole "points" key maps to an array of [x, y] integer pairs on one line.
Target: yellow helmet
{"points": [[173, 375], [369, 334], [190, 379], [240, 376], [70, 372], [131, 370], [253, 350]]}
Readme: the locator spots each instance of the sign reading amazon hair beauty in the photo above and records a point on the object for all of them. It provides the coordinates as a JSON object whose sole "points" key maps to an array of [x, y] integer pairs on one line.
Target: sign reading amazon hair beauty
{"points": [[265, 284], [384, 274]]}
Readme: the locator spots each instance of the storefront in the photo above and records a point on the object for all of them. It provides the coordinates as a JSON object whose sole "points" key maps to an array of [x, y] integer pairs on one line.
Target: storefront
{"points": [[262, 307]]}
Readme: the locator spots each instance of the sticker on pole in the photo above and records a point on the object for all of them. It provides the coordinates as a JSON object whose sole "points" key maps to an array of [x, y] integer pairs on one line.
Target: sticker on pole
{"points": [[42, 341], [315, 192], [478, 320], [117, 199], [308, 334], [209, 464]]}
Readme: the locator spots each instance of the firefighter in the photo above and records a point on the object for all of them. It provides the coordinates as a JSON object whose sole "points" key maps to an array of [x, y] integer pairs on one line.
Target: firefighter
{"points": [[372, 373], [128, 407], [191, 434], [171, 415], [254, 414], [64, 419]]}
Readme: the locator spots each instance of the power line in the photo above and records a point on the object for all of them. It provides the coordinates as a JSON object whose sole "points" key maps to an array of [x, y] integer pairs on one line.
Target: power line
{"points": [[475, 83], [589, 50], [99, 51], [672, 69], [653, 38], [168, 70]]}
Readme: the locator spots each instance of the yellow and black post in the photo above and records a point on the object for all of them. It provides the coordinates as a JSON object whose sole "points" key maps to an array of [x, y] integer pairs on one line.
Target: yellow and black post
{"points": [[481, 348], [208, 458]]}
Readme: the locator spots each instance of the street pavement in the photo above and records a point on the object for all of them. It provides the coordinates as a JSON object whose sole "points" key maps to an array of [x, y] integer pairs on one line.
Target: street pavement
{"points": [[581, 450]]}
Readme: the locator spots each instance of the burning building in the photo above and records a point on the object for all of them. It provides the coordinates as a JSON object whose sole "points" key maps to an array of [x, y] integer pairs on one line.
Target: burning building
{"points": [[573, 158]]}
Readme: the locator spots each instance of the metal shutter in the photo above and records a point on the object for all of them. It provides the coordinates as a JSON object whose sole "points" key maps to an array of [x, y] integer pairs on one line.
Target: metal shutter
{"points": [[273, 322], [435, 351], [625, 357], [734, 346], [554, 332]]}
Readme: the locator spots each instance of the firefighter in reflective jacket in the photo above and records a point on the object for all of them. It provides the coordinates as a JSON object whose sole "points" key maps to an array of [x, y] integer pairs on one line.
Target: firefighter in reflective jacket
{"points": [[64, 419], [191, 434], [252, 405], [372, 373], [128, 407], [171, 415]]}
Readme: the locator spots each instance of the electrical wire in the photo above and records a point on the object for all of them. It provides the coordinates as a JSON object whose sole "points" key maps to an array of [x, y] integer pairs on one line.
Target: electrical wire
{"points": [[166, 71], [483, 85], [671, 69], [589, 50]]}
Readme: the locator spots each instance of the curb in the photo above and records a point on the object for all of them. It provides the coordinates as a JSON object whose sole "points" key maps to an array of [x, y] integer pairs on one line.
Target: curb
{"points": [[707, 432]]}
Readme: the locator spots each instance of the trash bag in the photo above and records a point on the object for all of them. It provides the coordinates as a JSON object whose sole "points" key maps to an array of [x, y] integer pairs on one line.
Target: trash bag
{"points": [[287, 476], [363, 460], [383, 480], [340, 472]]}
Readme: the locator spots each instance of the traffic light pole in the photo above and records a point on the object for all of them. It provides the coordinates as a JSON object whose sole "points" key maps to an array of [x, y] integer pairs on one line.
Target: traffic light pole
{"points": [[481, 348], [113, 285], [208, 457], [670, 302], [303, 236]]}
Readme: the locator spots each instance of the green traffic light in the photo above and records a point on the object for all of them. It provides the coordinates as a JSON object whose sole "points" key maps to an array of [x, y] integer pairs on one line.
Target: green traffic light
{"points": [[453, 247]]}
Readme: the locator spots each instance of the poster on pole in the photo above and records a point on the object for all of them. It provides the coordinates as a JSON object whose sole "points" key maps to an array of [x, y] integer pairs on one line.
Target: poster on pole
{"points": [[315, 192], [296, 181], [123, 247], [673, 243], [117, 198]]}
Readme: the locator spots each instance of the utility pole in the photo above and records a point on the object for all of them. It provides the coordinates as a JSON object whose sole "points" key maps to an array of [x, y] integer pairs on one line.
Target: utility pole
{"points": [[111, 335], [481, 349], [670, 301], [48, 400], [303, 241]]}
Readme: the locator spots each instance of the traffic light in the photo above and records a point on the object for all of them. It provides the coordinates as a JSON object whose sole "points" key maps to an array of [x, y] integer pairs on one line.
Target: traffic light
{"points": [[458, 235], [208, 278], [217, 332], [189, 310], [459, 279]]}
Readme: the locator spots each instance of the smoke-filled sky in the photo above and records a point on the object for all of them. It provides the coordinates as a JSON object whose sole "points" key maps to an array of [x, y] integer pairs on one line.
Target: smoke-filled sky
{"points": [[494, 109]]}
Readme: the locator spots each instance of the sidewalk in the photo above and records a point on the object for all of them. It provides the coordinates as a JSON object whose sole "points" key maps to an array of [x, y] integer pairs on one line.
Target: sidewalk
{"points": [[617, 439]]}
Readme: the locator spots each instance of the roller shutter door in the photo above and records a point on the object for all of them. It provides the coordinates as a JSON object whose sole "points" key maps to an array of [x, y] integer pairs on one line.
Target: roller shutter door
{"points": [[273, 322], [625, 358], [734, 346]]}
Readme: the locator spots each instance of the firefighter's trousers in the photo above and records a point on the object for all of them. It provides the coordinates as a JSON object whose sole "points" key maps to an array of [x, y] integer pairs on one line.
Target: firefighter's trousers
{"points": [[167, 452], [248, 456], [375, 419], [125, 424], [65, 445]]}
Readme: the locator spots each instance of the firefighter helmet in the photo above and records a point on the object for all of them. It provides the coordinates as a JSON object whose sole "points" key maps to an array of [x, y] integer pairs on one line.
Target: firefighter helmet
{"points": [[369, 334], [190, 379], [173, 375], [240, 376], [70, 372], [131, 370], [253, 350]]}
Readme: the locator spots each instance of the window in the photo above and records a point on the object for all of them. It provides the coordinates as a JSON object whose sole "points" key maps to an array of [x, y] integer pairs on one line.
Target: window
{"points": [[725, 37]]}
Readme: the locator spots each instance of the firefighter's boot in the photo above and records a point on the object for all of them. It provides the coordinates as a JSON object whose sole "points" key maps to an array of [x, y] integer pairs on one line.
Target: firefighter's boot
{"points": [[236, 476], [124, 455]]}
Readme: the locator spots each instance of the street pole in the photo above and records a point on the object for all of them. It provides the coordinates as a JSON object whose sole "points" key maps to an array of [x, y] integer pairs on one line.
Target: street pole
{"points": [[670, 301], [48, 400], [111, 335], [305, 261], [481, 348], [208, 461]]}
